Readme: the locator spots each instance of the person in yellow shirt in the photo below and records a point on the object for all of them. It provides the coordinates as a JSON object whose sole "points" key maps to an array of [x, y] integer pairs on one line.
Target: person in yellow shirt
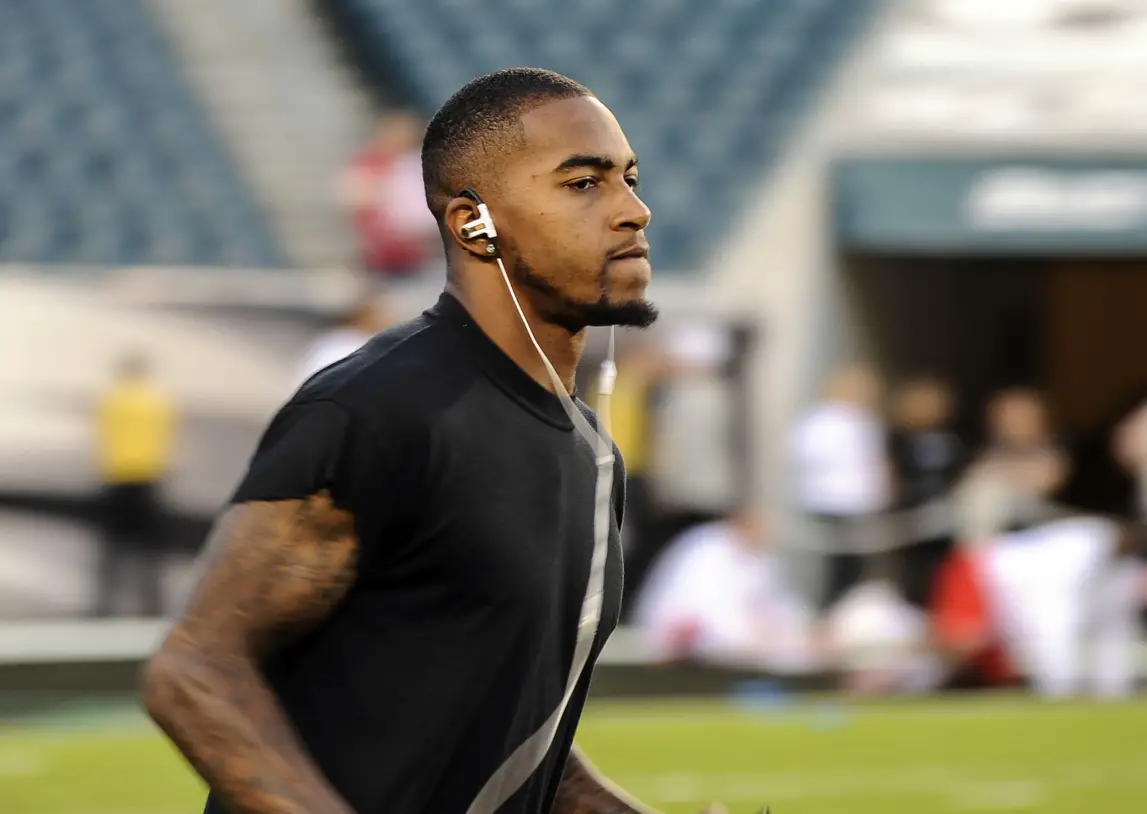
{"points": [[135, 429], [641, 368]]}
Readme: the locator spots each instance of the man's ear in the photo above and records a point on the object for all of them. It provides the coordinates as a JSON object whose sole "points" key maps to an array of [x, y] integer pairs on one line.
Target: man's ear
{"points": [[459, 212]]}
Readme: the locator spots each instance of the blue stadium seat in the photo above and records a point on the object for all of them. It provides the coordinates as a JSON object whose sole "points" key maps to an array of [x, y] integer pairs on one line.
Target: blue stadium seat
{"points": [[106, 157], [708, 97]]}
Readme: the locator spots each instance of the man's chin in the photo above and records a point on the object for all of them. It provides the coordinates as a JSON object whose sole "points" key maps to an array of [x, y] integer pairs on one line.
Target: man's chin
{"points": [[630, 314]]}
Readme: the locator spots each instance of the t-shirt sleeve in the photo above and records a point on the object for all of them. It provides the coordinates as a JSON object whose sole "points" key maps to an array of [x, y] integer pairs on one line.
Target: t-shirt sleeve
{"points": [[373, 473], [307, 448]]}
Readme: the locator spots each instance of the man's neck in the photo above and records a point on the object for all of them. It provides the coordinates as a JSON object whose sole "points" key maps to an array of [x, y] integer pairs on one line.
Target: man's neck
{"points": [[493, 310]]}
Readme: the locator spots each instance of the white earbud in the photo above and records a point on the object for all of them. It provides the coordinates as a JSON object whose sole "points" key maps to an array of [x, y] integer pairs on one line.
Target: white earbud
{"points": [[482, 226]]}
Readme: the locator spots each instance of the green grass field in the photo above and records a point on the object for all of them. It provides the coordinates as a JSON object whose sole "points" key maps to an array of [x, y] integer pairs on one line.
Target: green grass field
{"points": [[993, 754]]}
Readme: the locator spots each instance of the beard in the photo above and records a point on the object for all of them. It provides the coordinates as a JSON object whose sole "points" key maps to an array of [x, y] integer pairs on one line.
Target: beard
{"points": [[576, 315]]}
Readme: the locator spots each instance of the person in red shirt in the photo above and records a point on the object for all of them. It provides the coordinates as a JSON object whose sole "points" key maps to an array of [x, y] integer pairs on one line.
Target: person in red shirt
{"points": [[1055, 605], [384, 192], [963, 630]]}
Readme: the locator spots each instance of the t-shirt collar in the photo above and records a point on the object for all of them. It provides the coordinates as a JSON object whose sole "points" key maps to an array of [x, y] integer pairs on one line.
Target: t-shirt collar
{"points": [[499, 367]]}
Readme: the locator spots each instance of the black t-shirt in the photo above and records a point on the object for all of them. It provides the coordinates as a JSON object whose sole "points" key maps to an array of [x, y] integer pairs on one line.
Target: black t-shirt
{"points": [[927, 463], [474, 501]]}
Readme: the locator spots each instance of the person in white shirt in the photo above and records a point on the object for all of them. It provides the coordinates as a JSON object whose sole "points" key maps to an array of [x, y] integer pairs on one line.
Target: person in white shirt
{"points": [[719, 595], [1022, 456], [1056, 603], [842, 474], [366, 318], [879, 643]]}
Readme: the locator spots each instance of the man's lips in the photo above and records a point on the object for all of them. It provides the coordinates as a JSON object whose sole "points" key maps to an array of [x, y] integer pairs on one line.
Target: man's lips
{"points": [[631, 252]]}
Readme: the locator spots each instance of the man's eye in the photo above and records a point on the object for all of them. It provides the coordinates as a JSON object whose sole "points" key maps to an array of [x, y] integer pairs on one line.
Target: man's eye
{"points": [[633, 182], [583, 184]]}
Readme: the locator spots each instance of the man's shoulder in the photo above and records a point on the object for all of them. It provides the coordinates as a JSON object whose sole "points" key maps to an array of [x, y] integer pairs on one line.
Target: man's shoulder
{"points": [[406, 372]]}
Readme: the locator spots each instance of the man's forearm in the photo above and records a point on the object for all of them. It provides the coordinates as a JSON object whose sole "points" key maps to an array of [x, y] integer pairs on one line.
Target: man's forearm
{"points": [[229, 726], [584, 790]]}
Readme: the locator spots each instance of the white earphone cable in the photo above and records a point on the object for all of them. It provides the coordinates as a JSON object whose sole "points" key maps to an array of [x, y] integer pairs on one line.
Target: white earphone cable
{"points": [[608, 375], [526, 758]]}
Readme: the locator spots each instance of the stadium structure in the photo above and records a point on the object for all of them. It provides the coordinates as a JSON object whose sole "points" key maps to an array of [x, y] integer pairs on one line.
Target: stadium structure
{"points": [[951, 185]]}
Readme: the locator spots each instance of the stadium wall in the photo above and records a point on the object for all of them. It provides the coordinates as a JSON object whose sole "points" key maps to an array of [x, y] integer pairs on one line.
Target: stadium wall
{"points": [[781, 266]]}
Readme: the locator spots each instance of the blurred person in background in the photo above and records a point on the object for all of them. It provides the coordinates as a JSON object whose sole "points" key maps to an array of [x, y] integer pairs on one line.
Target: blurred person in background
{"points": [[1022, 457], [641, 367], [364, 319], [878, 643], [842, 474], [1057, 603], [135, 428], [719, 595], [926, 455], [383, 191], [1129, 447], [691, 458]]}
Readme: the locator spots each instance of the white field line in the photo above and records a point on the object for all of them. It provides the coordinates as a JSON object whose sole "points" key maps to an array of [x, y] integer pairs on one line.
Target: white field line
{"points": [[965, 788]]}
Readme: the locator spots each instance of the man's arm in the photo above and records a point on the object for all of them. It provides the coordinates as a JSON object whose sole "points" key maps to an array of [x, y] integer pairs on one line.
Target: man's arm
{"points": [[276, 570], [583, 790]]}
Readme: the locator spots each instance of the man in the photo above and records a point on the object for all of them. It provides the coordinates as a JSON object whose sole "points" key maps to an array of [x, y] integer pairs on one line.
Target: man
{"points": [[842, 471], [1030, 602], [135, 426], [926, 455], [393, 600], [1129, 448], [1022, 456], [720, 595]]}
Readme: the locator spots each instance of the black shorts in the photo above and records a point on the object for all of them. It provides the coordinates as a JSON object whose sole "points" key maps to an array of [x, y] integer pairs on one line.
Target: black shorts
{"points": [[130, 513]]}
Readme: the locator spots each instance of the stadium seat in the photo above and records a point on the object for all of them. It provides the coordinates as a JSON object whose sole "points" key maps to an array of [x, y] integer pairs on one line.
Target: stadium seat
{"points": [[707, 99], [107, 159]]}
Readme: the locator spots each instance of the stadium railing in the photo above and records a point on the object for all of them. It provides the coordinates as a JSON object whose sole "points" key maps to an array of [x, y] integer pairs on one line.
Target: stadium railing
{"points": [[31, 642], [70, 658], [54, 658]]}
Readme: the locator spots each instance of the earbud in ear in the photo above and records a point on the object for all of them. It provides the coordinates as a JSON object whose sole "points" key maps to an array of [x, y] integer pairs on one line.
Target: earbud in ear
{"points": [[483, 225]]}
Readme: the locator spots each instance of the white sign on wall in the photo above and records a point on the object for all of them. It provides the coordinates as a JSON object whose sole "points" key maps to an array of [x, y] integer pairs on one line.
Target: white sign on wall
{"points": [[1041, 199]]}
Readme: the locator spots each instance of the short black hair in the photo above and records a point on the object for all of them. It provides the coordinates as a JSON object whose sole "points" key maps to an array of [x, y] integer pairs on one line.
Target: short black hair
{"points": [[479, 124]]}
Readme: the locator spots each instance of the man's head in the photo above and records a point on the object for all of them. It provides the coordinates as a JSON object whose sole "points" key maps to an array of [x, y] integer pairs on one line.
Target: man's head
{"points": [[855, 384], [751, 528], [558, 175], [132, 365], [397, 133], [923, 404], [1018, 417], [1131, 539]]}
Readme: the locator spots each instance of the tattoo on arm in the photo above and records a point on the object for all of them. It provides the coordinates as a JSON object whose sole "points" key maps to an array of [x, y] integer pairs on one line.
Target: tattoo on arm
{"points": [[584, 791], [275, 571]]}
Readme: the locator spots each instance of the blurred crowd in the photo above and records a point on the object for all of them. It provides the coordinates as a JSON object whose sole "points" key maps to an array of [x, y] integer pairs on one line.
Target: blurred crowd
{"points": [[945, 559], [941, 554]]}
